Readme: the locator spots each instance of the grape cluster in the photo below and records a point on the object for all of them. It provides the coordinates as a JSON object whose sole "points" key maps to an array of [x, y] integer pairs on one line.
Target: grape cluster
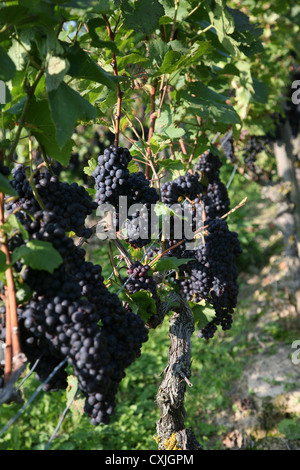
{"points": [[113, 180], [111, 175], [252, 147], [208, 166], [139, 279], [195, 277], [141, 198], [186, 186], [183, 195], [216, 200], [69, 203], [227, 145], [215, 196], [211, 273], [222, 249], [71, 313]]}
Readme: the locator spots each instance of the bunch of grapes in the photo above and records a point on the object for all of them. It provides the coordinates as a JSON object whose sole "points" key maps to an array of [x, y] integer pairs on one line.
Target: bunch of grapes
{"points": [[215, 196], [183, 195], [221, 250], [113, 180], [253, 146], [184, 187], [216, 201], [111, 175], [71, 314], [139, 279], [69, 203], [227, 145], [211, 272], [208, 166]]}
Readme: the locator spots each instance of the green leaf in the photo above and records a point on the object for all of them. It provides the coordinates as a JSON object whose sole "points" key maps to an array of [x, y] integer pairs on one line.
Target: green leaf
{"points": [[202, 312], [171, 165], [8, 68], [223, 23], [67, 108], [76, 404], [182, 11], [143, 304], [132, 58], [39, 122], [38, 254], [290, 428], [98, 22], [170, 62], [82, 66], [92, 164], [13, 225], [94, 6], [157, 51], [209, 103], [5, 187], [56, 69], [165, 128], [260, 91], [168, 264], [162, 209], [143, 16], [132, 167], [3, 265]]}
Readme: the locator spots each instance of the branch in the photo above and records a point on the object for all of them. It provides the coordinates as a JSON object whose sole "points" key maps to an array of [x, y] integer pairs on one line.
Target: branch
{"points": [[153, 117], [111, 35], [14, 358], [171, 393], [21, 123]]}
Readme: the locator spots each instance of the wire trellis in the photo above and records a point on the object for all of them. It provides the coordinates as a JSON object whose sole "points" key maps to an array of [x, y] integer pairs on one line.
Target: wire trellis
{"points": [[31, 399]]}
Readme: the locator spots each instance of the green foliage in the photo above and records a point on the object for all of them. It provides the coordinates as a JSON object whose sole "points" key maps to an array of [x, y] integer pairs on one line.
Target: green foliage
{"points": [[290, 428], [38, 254]]}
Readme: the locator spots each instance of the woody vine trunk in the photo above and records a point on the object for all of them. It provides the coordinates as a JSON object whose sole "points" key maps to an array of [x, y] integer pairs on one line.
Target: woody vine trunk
{"points": [[171, 431]]}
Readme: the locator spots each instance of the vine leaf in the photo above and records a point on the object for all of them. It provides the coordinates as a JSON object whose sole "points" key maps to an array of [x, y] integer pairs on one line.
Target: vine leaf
{"points": [[39, 255], [143, 304], [8, 68], [38, 120], [67, 107], [5, 187], [143, 16], [82, 66], [169, 264]]}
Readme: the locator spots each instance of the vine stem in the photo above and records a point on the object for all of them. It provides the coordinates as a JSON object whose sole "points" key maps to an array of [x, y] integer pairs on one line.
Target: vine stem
{"points": [[153, 117], [21, 123], [13, 354], [111, 35], [171, 393]]}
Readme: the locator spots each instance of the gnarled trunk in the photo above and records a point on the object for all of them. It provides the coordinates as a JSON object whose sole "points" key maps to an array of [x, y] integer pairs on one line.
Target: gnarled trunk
{"points": [[171, 431]]}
